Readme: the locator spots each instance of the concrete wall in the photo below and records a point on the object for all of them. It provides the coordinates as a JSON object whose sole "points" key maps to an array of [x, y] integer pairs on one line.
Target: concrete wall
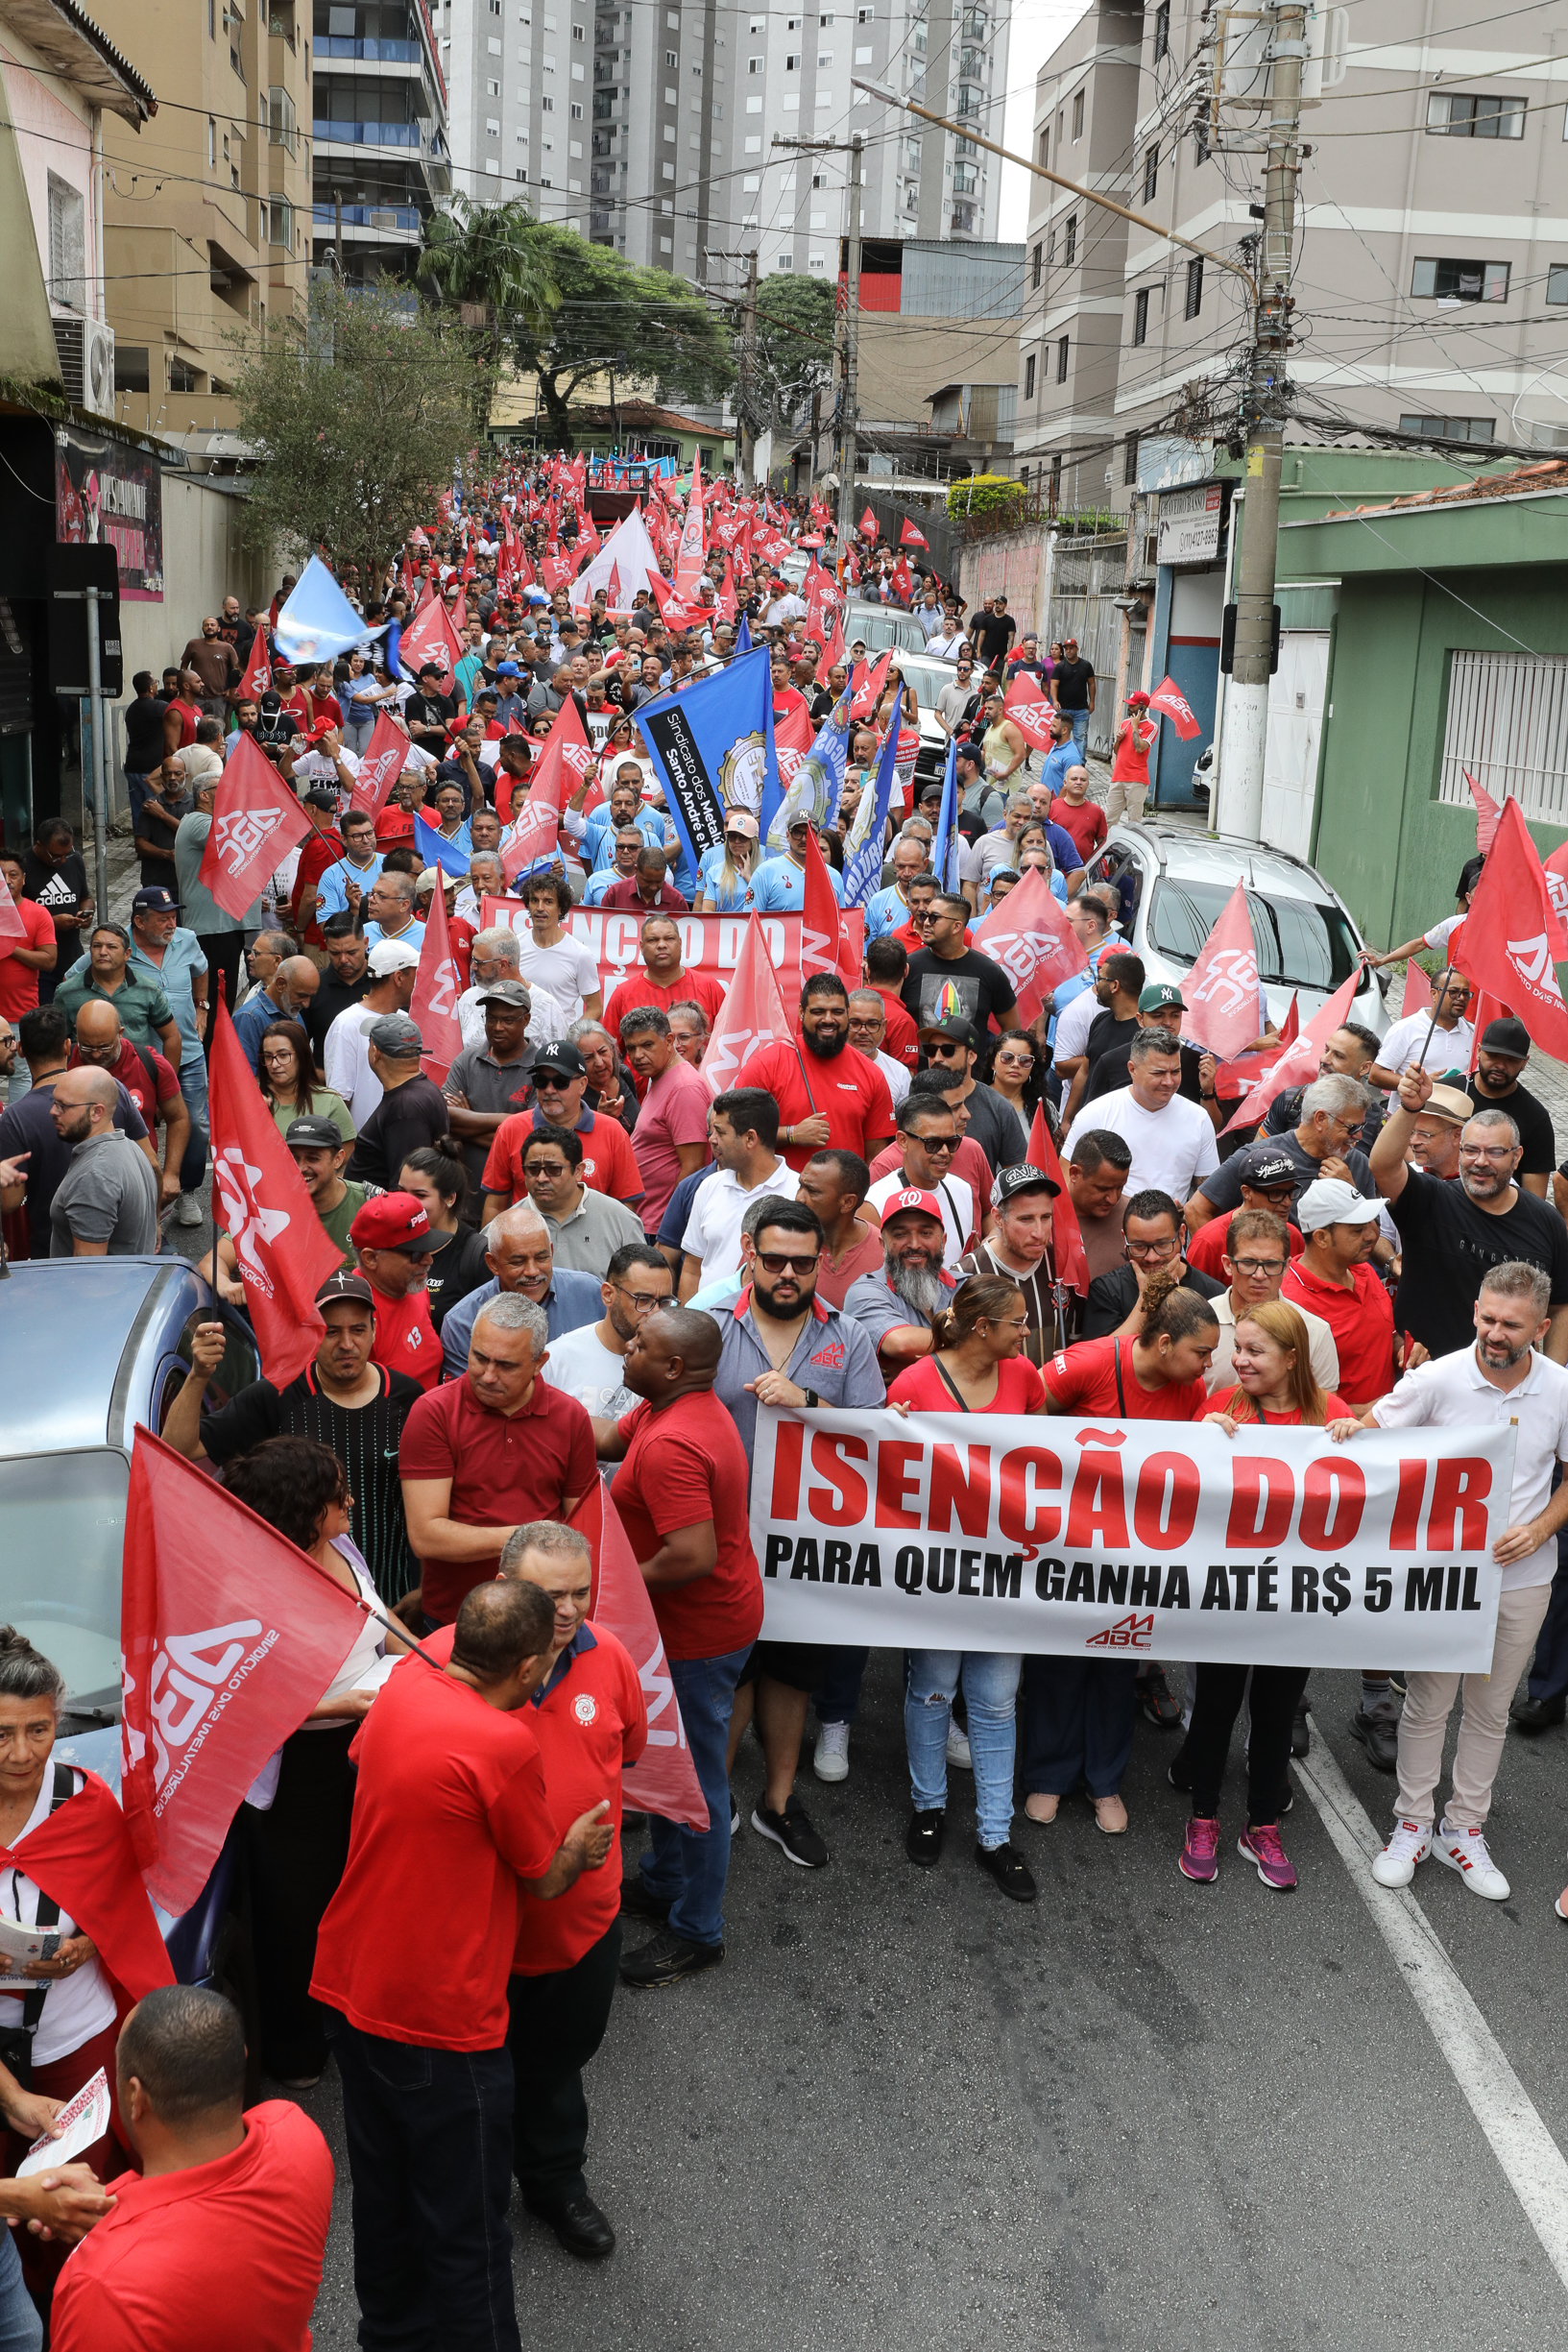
{"points": [[1013, 562]]}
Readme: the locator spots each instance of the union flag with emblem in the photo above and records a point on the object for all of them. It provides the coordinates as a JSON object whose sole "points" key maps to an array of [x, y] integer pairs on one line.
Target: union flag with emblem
{"points": [[256, 820], [1222, 988]]}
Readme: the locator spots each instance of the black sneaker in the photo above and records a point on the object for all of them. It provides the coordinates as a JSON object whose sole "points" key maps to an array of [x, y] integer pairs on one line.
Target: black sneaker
{"points": [[636, 1902], [791, 1831], [923, 1839], [1179, 1772], [665, 1958], [1536, 1714], [1011, 1873], [1301, 1738], [1377, 1729], [1160, 1704]]}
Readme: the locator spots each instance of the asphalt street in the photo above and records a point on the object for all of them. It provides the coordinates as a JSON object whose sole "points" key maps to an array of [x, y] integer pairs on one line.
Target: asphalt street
{"points": [[1138, 2113]]}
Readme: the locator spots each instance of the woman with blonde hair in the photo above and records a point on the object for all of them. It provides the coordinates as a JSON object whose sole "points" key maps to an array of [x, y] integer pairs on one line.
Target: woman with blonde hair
{"points": [[1273, 1387], [725, 871]]}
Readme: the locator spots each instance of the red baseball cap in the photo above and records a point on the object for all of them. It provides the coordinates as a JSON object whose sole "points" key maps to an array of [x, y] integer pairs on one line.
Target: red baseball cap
{"points": [[394, 1220], [1138, 701], [920, 1204]]}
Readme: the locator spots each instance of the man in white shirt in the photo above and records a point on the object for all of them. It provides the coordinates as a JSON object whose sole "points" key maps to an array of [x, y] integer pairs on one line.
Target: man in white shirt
{"points": [[487, 878], [782, 610], [743, 1132], [346, 1056], [1172, 1141], [494, 956], [588, 1363], [553, 963], [1447, 1047], [1502, 1378]]}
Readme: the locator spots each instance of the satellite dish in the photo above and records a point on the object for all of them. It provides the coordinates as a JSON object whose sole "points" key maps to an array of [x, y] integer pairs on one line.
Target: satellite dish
{"points": [[1539, 416]]}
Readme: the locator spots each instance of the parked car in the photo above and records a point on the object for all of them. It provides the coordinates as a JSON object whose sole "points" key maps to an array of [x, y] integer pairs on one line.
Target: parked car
{"points": [[1174, 884], [882, 626]]}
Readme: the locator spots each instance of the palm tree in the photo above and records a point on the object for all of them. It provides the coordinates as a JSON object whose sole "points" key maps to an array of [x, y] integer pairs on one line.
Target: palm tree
{"points": [[492, 257]]}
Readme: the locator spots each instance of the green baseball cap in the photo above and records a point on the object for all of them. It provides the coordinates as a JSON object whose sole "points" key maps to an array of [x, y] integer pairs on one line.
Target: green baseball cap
{"points": [[1160, 993]]}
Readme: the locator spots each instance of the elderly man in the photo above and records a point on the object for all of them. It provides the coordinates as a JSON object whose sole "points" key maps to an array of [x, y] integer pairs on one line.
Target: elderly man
{"points": [[394, 968], [219, 935], [390, 909], [107, 1202], [496, 958], [518, 1252], [560, 1081], [897, 1303], [287, 996], [29, 1139], [494, 1446], [146, 1078], [1332, 1113], [145, 1013], [891, 909], [868, 1026], [262, 958]]}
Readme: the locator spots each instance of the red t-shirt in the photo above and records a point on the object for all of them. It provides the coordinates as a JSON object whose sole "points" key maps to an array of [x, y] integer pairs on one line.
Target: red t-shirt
{"points": [[298, 706], [132, 1070], [242, 2236], [395, 824], [1135, 739], [1362, 1323], [1207, 1247], [865, 1256], [683, 1466], [1085, 1377], [692, 988], [1335, 1409], [320, 850], [450, 1810], [19, 981], [920, 1386], [901, 1038], [462, 933], [609, 1163], [406, 1340], [503, 1473], [1086, 823], [850, 1091], [623, 899]]}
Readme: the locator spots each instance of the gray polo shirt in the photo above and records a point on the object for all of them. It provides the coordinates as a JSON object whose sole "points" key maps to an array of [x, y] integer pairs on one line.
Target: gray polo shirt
{"points": [[108, 1193], [833, 1356], [596, 1228], [872, 1302]]}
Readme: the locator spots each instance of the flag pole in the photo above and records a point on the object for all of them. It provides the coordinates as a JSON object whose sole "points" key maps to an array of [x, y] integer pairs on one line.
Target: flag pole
{"points": [[1436, 1000]]}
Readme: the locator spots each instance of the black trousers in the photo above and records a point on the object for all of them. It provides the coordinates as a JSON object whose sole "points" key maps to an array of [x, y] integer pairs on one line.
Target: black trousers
{"points": [[557, 2023], [225, 953], [297, 1853], [1275, 1690]]}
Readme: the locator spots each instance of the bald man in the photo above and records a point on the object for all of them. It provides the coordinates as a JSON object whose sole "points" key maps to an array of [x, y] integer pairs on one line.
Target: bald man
{"points": [[107, 1205], [286, 995], [148, 1078]]}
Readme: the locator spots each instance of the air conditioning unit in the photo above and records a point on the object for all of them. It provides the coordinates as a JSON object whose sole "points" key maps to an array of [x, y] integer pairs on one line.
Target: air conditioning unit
{"points": [[86, 363]]}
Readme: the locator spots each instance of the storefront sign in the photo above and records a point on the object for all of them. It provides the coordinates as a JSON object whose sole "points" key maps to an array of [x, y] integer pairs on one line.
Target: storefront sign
{"points": [[1189, 530]]}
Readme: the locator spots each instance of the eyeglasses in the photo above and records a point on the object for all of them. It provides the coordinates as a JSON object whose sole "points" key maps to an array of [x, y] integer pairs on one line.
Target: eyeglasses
{"points": [[545, 1167], [1152, 1252], [778, 1262], [946, 1050], [643, 1301], [1256, 1268], [1475, 1151]]}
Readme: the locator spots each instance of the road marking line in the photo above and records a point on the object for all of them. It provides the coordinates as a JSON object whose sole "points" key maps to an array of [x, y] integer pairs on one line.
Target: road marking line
{"points": [[1532, 2161]]}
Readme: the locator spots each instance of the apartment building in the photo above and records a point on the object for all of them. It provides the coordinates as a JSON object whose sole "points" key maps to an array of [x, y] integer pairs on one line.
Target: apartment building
{"points": [[206, 210], [519, 85], [379, 109]]}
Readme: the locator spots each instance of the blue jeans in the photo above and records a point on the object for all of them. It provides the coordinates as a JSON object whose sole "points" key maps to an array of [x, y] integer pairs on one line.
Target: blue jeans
{"points": [[193, 1086], [838, 1700], [1078, 1718], [21, 2330], [990, 1679], [357, 733], [429, 2134], [1080, 730], [681, 1868]]}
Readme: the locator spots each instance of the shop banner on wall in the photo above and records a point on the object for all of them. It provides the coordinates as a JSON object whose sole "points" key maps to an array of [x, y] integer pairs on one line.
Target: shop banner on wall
{"points": [[1163, 1540], [109, 494], [710, 943]]}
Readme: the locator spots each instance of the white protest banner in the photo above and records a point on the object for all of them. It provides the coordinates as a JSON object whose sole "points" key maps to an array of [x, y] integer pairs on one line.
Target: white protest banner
{"points": [[710, 943], [1276, 1547]]}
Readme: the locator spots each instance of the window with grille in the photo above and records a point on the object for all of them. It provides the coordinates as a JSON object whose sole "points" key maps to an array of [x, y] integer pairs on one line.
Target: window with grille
{"points": [[1077, 115], [1061, 360], [1140, 315], [1507, 724], [1194, 287], [67, 245], [1129, 463], [1162, 31], [1151, 174], [1036, 267], [1028, 377], [1069, 238]]}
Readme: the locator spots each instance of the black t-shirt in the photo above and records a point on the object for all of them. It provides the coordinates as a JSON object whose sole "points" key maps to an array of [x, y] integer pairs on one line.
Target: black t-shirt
{"points": [[365, 1440], [1285, 1114], [1449, 1243], [144, 735], [1114, 1068], [430, 709], [1106, 1035], [972, 987], [1533, 1120], [457, 1268], [408, 1119], [1072, 683], [993, 633], [1113, 1296], [333, 996], [61, 888]]}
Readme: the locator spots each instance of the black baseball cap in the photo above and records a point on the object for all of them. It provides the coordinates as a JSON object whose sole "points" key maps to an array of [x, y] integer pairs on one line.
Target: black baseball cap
{"points": [[313, 1134], [346, 1284], [1025, 1177], [958, 1031], [1268, 1170], [560, 1060], [1505, 1037], [154, 901]]}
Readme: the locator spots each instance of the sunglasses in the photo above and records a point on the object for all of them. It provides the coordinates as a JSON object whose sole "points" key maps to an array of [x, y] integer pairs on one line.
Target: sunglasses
{"points": [[778, 1262]]}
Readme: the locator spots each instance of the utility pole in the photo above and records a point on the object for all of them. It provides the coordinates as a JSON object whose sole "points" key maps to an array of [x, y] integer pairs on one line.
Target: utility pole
{"points": [[746, 390], [1247, 715], [852, 355]]}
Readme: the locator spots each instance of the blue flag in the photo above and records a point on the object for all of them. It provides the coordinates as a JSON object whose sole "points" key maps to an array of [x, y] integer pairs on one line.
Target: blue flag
{"points": [[945, 847], [816, 784], [318, 622], [862, 872], [435, 851], [742, 639], [712, 748]]}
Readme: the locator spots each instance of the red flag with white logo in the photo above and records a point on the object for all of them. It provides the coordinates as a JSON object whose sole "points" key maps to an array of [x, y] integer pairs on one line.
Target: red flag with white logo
{"points": [[909, 535], [792, 741], [1030, 936], [431, 637], [904, 581], [1298, 1067], [752, 1015], [1556, 870], [1222, 988], [692, 552], [565, 760], [229, 1635], [866, 686], [257, 675], [1489, 814], [869, 525], [437, 984], [256, 822], [1169, 698], [1030, 708], [832, 650], [1511, 939], [825, 945], [380, 764], [663, 1779], [1067, 1251], [283, 1251]]}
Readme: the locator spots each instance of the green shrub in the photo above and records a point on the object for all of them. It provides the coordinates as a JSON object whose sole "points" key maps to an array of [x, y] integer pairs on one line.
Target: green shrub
{"points": [[982, 494]]}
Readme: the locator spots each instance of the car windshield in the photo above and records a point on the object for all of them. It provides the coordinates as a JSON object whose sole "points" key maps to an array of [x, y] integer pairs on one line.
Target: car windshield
{"points": [[927, 678], [1300, 944], [882, 626], [64, 1523]]}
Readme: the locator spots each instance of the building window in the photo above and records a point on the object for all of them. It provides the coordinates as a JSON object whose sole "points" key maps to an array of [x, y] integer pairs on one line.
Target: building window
{"points": [[1162, 31], [1045, 150], [670, 57], [1151, 174], [1476, 118], [1055, 481], [1449, 429], [1194, 287], [1129, 463], [1508, 723], [1028, 377], [67, 245], [576, 112], [182, 376], [1036, 268], [1459, 281], [1070, 239], [1061, 360], [211, 144], [1077, 117], [1140, 315], [1556, 282], [131, 373]]}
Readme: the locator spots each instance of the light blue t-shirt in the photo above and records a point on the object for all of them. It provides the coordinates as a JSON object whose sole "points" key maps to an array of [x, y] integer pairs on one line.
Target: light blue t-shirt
{"points": [[779, 886], [887, 910], [727, 898], [721, 1294], [599, 836], [413, 937], [332, 889]]}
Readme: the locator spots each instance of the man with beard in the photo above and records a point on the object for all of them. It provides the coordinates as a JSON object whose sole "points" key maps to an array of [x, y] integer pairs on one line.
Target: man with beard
{"points": [[896, 1304], [1020, 1250], [783, 1346], [828, 1099]]}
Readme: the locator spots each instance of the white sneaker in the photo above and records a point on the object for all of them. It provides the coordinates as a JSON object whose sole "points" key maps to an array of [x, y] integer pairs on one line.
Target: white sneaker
{"points": [[831, 1758], [1466, 1851], [188, 1209], [1395, 1865], [958, 1750]]}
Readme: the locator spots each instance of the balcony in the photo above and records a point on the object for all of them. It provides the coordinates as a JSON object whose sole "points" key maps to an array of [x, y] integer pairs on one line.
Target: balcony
{"points": [[402, 220], [367, 135], [337, 45]]}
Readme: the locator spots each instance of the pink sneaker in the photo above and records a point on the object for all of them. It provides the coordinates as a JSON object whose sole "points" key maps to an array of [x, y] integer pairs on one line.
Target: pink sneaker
{"points": [[1262, 1847], [1199, 1858]]}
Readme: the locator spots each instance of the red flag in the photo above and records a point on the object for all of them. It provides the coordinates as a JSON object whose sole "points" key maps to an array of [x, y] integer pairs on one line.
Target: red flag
{"points": [[866, 686], [1030, 936], [256, 822], [257, 675], [82, 1857], [1233, 1077], [1298, 1067], [1556, 870], [1489, 814], [229, 1637], [1482, 1010], [902, 581], [1169, 698], [283, 1251], [12, 926], [1222, 988], [438, 983], [692, 553], [1067, 1253], [752, 1014], [1511, 937], [832, 650], [675, 611], [825, 942], [792, 741], [561, 766], [663, 1779], [1030, 708], [1417, 991], [431, 638], [380, 764], [869, 525], [909, 535]]}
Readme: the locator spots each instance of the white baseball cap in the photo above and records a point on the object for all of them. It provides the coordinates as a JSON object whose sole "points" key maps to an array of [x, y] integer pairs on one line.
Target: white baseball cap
{"points": [[1331, 1202]]}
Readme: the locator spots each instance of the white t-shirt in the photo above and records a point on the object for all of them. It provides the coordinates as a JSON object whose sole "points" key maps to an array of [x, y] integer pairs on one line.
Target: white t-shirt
{"points": [[957, 1210], [566, 971], [363, 1667], [897, 1075], [1452, 1391], [346, 1059], [1441, 933], [583, 1366], [1173, 1150], [712, 1227], [1073, 1026], [1448, 1050], [77, 2006]]}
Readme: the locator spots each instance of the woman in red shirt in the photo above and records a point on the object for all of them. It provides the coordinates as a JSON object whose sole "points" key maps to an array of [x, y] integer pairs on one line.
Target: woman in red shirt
{"points": [[975, 1365], [1274, 1384], [1079, 1713]]}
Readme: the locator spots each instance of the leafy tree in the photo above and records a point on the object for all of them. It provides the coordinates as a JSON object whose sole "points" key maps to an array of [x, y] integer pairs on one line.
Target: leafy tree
{"points": [[794, 346], [490, 256], [357, 421]]}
